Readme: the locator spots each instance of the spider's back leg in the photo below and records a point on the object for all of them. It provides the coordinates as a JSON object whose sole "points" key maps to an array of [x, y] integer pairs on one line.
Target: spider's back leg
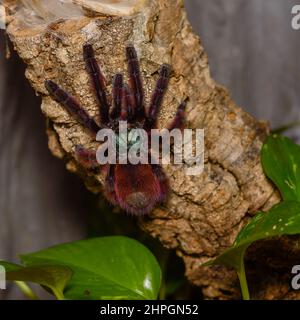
{"points": [[98, 81], [110, 184], [87, 158], [163, 182], [66, 100], [157, 97]]}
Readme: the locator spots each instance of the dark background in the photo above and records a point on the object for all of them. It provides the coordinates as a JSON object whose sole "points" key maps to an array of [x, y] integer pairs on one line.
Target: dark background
{"points": [[252, 50]]}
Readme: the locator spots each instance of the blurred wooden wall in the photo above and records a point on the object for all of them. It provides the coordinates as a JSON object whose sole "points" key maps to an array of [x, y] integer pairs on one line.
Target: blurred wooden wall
{"points": [[41, 204], [252, 50]]}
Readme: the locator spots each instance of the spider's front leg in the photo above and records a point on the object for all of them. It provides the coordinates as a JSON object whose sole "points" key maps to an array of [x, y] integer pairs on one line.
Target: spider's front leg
{"points": [[127, 102], [157, 97], [135, 82], [98, 81], [117, 96], [179, 119], [70, 104]]}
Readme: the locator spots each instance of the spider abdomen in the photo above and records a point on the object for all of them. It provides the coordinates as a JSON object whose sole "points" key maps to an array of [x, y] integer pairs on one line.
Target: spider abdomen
{"points": [[137, 187]]}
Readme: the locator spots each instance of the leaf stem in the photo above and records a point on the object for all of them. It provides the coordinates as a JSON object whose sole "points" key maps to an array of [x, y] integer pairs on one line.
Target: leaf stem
{"points": [[163, 264], [243, 281], [26, 290], [58, 294]]}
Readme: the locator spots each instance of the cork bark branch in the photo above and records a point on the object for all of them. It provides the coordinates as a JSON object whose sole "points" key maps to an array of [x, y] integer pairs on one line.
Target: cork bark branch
{"points": [[203, 213]]}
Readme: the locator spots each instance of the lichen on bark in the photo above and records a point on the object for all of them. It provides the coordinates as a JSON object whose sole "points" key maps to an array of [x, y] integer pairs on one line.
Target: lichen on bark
{"points": [[203, 213]]}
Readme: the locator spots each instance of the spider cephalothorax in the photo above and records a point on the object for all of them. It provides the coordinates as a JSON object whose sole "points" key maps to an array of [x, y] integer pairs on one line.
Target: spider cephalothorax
{"points": [[136, 188]]}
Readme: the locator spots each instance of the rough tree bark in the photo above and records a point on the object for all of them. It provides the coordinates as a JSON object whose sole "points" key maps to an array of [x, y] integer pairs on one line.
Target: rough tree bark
{"points": [[204, 213]]}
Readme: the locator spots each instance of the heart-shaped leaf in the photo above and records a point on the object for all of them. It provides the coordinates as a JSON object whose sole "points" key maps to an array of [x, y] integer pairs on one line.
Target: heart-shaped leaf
{"points": [[282, 219], [52, 277], [104, 268], [281, 162]]}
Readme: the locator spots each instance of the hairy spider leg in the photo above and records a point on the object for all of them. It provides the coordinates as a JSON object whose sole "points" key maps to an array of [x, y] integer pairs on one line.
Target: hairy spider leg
{"points": [[135, 82], [163, 182], [66, 100], [117, 96], [179, 119], [130, 102], [178, 122], [98, 81], [123, 115], [157, 97], [126, 105], [87, 158], [110, 183]]}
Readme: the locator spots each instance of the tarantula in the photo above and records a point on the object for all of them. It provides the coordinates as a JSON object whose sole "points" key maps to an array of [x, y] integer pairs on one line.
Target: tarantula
{"points": [[135, 188]]}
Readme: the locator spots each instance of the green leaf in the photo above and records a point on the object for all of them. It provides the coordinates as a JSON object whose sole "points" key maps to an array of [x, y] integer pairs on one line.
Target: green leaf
{"points": [[104, 268], [282, 219], [52, 277], [280, 160], [281, 163], [9, 266]]}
